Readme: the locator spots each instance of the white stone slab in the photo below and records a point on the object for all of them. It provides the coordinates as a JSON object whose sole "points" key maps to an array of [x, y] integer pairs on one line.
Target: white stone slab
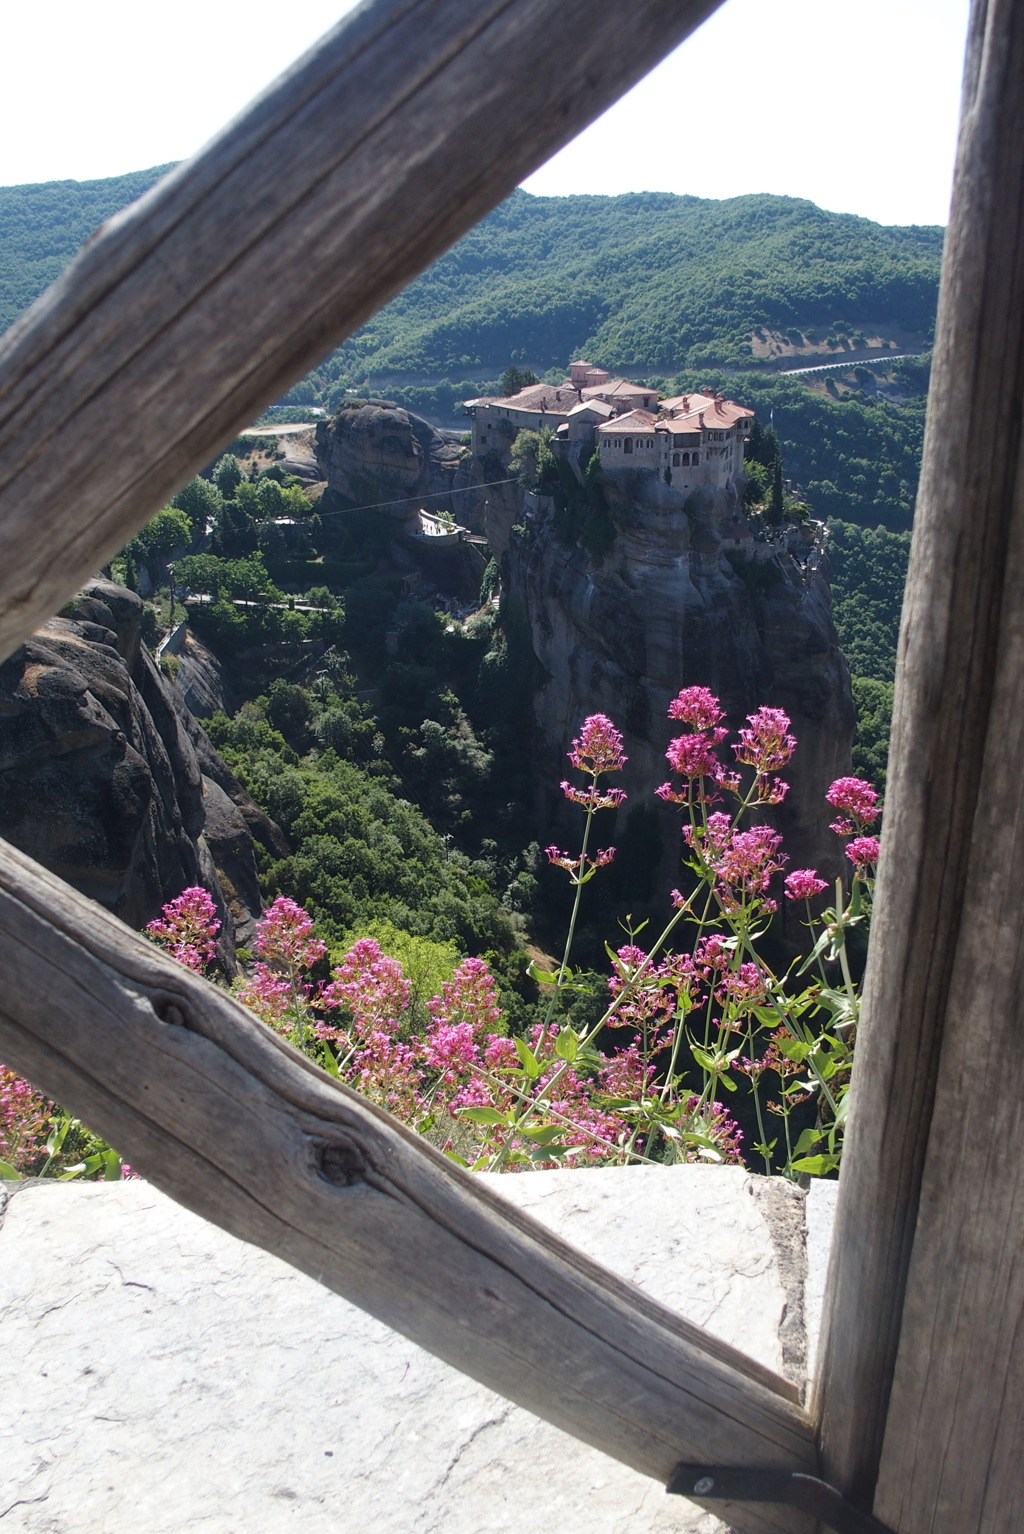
{"points": [[820, 1216], [156, 1375]]}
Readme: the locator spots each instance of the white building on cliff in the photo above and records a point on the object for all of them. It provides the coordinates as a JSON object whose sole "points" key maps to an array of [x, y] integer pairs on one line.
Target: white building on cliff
{"points": [[691, 440]]}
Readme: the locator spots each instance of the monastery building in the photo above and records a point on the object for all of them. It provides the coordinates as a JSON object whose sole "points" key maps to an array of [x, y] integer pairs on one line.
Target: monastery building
{"points": [[691, 440]]}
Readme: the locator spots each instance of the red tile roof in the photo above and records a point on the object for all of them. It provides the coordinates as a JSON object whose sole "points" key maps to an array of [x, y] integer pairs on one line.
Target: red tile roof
{"points": [[633, 421]]}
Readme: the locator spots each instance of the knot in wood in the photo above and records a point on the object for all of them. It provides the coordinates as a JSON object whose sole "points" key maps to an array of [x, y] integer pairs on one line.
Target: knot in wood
{"points": [[343, 1165], [169, 1010]]}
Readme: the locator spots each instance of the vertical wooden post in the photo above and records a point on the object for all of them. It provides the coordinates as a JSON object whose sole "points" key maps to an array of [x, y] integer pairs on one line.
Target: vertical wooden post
{"points": [[922, 1366]]}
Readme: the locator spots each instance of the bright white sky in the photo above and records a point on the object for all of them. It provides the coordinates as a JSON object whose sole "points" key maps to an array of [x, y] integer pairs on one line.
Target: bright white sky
{"points": [[851, 103]]}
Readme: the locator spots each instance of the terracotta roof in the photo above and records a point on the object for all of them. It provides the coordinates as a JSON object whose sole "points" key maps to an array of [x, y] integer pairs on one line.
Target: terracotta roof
{"points": [[719, 414], [595, 406], [531, 398], [632, 421], [548, 395], [619, 388]]}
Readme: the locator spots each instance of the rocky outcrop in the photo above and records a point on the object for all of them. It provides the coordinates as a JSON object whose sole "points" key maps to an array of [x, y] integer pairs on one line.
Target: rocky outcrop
{"points": [[108, 780], [686, 594], [372, 450]]}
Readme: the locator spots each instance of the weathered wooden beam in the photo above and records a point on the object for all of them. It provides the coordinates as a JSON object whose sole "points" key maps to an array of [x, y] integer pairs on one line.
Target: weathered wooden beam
{"points": [[233, 1123], [196, 307], [923, 1363]]}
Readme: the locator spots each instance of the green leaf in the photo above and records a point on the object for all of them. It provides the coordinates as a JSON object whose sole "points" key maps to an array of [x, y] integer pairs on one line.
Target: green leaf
{"points": [[330, 1063], [112, 1167], [795, 1050], [543, 1134], [567, 1044], [531, 1065], [8, 1172], [483, 1115], [816, 1166], [542, 976], [807, 1139]]}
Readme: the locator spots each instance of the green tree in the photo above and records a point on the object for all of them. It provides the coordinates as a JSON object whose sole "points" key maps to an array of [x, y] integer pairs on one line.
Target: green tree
{"points": [[227, 476], [513, 379], [531, 461], [201, 502]]}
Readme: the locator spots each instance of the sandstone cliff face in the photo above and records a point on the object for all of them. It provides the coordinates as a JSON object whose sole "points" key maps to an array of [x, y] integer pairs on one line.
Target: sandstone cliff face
{"points": [[369, 452], [686, 595], [106, 778]]}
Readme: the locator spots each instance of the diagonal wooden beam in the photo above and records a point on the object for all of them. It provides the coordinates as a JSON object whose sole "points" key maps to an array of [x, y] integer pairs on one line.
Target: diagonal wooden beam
{"points": [[923, 1358], [221, 1114], [193, 309]]}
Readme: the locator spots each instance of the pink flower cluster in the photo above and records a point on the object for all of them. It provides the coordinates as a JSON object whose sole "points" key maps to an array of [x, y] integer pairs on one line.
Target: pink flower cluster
{"points": [[187, 928], [743, 861], [804, 884], [764, 744], [598, 748], [24, 1115], [857, 803], [285, 937]]}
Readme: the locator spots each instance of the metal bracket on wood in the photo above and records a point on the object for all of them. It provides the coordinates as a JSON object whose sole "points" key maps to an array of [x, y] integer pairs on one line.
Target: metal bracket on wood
{"points": [[731, 1484]]}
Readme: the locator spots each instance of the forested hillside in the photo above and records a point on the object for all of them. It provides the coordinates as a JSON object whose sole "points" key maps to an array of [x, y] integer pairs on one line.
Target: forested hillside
{"points": [[42, 226], [647, 281]]}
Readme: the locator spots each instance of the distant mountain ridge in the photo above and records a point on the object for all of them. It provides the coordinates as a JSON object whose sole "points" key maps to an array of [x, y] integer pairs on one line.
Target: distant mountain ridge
{"points": [[43, 224], [679, 291], [643, 281], [646, 281]]}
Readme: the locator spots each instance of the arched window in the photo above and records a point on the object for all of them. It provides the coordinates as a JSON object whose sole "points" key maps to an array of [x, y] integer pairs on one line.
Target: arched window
{"points": [[696, 458], [675, 460], [627, 444], [686, 459]]}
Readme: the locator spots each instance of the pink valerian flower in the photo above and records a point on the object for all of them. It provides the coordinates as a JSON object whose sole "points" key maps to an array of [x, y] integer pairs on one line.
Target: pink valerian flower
{"points": [[713, 1122], [711, 958], [745, 866], [804, 884], [284, 936], [370, 987], [765, 744], [693, 756], [269, 995], [588, 1124], [858, 803], [469, 998], [598, 748], [385, 1070], [187, 928], [451, 1049], [862, 851], [593, 798], [500, 1053], [582, 868], [24, 1116], [745, 986], [712, 838], [698, 707], [627, 1074]]}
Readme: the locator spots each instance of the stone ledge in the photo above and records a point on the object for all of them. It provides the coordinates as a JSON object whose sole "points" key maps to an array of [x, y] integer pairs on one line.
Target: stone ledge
{"points": [[158, 1375]]}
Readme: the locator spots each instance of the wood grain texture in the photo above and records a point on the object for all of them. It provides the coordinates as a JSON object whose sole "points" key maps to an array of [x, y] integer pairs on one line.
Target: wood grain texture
{"points": [[196, 307], [935, 1133], [217, 1111]]}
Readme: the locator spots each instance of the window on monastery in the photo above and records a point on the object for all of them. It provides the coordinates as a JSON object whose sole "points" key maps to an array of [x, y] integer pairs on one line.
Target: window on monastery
{"points": [[696, 458], [675, 460], [627, 444]]}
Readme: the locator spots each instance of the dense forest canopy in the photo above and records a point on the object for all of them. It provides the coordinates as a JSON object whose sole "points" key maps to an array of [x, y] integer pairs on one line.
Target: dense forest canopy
{"points": [[42, 226], [646, 280]]}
